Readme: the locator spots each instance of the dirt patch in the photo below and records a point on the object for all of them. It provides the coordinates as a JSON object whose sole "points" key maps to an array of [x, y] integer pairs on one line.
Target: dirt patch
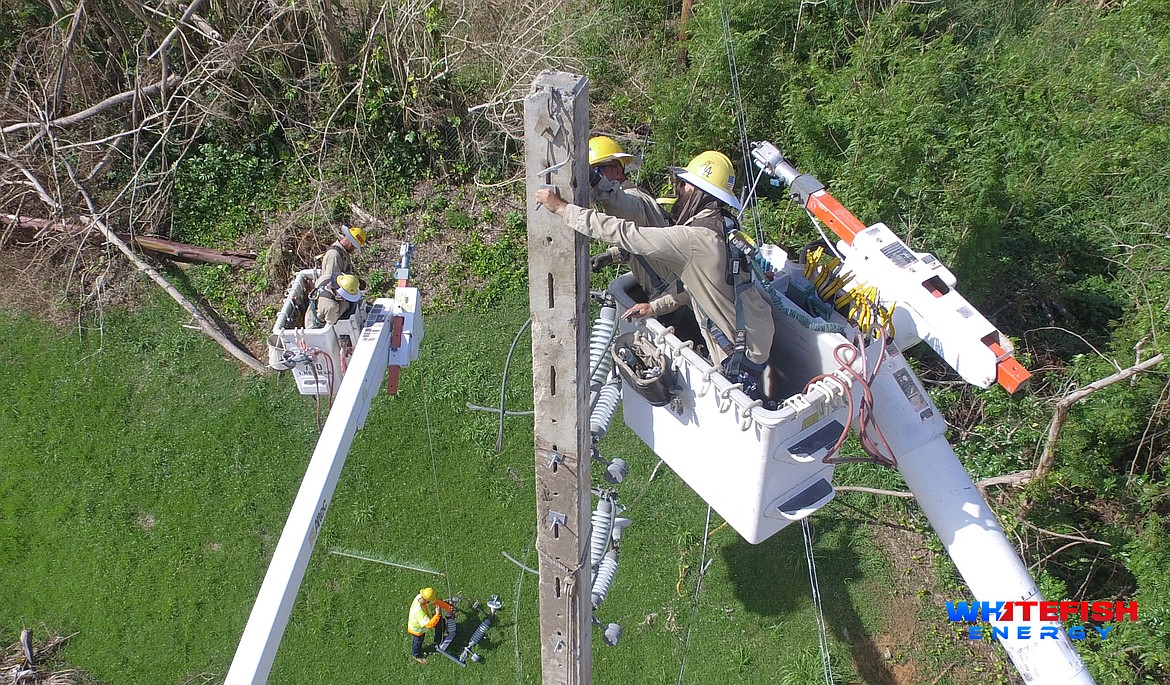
{"points": [[144, 521], [915, 628]]}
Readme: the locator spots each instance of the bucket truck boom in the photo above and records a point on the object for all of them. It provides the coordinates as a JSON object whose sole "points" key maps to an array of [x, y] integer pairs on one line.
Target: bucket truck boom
{"points": [[389, 340]]}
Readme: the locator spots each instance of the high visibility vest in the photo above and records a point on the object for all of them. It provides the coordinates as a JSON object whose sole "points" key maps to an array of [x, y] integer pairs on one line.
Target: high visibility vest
{"points": [[416, 622]]}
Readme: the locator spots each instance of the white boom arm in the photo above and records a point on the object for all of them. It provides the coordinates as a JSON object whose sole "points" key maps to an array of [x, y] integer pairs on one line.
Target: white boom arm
{"points": [[927, 308], [389, 339], [915, 431]]}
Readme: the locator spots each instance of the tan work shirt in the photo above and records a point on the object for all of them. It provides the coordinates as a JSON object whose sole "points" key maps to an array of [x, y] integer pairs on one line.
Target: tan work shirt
{"points": [[699, 256], [335, 261], [631, 203]]}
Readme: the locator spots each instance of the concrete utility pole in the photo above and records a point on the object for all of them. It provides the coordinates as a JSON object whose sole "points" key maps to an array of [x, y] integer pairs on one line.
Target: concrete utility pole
{"points": [[556, 119]]}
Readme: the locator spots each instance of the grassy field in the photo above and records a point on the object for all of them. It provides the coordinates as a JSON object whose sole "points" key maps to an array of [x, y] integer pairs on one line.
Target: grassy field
{"points": [[144, 481]]}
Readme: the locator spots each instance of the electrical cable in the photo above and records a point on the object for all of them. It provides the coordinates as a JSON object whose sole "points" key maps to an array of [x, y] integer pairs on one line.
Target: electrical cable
{"points": [[504, 384], [822, 633], [435, 480], [695, 600]]}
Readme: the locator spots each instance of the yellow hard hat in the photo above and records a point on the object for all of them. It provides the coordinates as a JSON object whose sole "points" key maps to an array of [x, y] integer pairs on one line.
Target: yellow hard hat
{"points": [[349, 287], [428, 593], [712, 173], [603, 149], [357, 235]]}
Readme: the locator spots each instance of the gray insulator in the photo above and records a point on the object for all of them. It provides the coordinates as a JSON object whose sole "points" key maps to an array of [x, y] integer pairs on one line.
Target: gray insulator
{"points": [[450, 620], [611, 635], [606, 571], [602, 521], [599, 340], [616, 471], [606, 406], [619, 524]]}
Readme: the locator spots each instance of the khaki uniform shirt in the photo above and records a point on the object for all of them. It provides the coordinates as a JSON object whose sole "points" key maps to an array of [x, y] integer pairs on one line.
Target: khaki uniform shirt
{"points": [[699, 256], [631, 203], [335, 261]]}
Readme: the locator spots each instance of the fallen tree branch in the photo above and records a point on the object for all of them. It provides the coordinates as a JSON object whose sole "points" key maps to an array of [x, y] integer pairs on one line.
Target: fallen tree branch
{"points": [[1062, 408], [100, 107], [178, 251], [202, 321], [874, 491]]}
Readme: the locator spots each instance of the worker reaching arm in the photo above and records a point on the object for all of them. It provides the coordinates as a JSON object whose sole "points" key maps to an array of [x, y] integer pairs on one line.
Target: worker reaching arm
{"points": [[736, 318], [420, 620]]}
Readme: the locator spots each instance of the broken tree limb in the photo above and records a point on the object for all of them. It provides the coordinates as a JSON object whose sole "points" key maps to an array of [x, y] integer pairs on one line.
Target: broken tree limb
{"points": [[1062, 408], [192, 253], [874, 491], [200, 320], [178, 251], [102, 106]]}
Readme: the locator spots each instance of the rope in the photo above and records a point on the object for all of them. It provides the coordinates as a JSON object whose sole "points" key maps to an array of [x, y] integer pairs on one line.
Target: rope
{"points": [[504, 384], [695, 600], [435, 480], [740, 119], [822, 634], [516, 618]]}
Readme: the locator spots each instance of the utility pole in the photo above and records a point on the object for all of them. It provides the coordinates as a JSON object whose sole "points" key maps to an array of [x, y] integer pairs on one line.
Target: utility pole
{"points": [[556, 120]]}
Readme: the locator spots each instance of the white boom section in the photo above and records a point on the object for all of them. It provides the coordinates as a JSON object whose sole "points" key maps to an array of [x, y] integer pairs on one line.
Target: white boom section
{"points": [[915, 431], [372, 354]]}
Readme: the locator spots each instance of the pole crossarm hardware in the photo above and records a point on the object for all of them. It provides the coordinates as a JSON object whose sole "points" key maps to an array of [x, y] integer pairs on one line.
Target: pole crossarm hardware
{"points": [[556, 116]]}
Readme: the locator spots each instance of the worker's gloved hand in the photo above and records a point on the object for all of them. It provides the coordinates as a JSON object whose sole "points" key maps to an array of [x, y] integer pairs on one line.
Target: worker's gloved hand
{"points": [[601, 260], [594, 175]]}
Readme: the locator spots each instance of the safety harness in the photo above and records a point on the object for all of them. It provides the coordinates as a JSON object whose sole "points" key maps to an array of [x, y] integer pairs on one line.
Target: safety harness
{"points": [[738, 274]]}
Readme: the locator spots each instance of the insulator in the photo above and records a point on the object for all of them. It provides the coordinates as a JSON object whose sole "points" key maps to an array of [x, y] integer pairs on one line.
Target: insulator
{"points": [[602, 521], [480, 632], [599, 359], [450, 621], [616, 470], [606, 406], [606, 571]]}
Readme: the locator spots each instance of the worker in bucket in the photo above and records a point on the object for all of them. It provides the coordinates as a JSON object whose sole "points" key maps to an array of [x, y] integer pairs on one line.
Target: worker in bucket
{"points": [[420, 620], [665, 295], [336, 259], [735, 316], [335, 299]]}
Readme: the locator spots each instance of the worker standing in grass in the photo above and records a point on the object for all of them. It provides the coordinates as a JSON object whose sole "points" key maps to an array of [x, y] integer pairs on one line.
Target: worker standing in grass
{"points": [[420, 620], [735, 316]]}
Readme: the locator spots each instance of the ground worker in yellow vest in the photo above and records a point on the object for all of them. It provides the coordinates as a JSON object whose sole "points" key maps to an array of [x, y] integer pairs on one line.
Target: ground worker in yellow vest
{"points": [[734, 313], [420, 620]]}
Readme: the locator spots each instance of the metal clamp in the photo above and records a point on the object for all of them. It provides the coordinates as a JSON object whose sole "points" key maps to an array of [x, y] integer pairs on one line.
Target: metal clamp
{"points": [[556, 518], [706, 382], [554, 458]]}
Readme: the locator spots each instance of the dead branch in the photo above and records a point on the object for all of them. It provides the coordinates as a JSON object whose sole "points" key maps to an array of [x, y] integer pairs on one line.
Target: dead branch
{"points": [[1062, 408], [202, 321], [100, 107], [874, 491], [1065, 536]]}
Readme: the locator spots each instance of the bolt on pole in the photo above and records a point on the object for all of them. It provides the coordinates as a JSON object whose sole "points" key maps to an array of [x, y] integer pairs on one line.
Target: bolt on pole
{"points": [[556, 118]]}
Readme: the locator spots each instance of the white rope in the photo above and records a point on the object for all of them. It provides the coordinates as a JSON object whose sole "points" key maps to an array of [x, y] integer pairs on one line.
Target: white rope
{"points": [[682, 668], [822, 634], [435, 480], [740, 118], [516, 616]]}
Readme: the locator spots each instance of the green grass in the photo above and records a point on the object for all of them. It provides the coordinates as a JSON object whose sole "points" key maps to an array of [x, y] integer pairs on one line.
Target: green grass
{"points": [[143, 488]]}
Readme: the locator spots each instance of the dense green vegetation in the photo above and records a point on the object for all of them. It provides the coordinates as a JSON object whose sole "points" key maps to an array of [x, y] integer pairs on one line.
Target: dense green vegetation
{"points": [[1022, 142]]}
